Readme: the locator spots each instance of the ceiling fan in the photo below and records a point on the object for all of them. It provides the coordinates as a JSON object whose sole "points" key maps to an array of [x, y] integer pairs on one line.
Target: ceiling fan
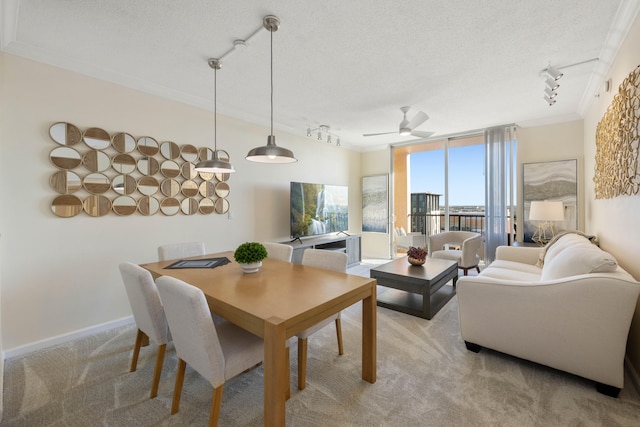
{"points": [[407, 127]]}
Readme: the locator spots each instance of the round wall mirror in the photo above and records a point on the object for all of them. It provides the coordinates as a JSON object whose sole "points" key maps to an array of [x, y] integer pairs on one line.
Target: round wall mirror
{"points": [[148, 205], [124, 184], [65, 157], [65, 182], [222, 177], [96, 183], [189, 188], [221, 206], [223, 155], [205, 153], [207, 189], [222, 189], [123, 163], [124, 205], [96, 138], [96, 161], [65, 133], [188, 170], [148, 185], [66, 206], [123, 142], [189, 206], [169, 150], [148, 166], [148, 146], [206, 206], [189, 153], [170, 169], [170, 206], [97, 205], [170, 187]]}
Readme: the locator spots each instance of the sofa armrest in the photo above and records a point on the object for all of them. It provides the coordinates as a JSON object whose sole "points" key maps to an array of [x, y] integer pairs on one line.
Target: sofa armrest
{"points": [[525, 255], [578, 324]]}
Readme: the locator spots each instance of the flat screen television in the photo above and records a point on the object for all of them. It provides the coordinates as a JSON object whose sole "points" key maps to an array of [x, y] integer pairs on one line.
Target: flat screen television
{"points": [[318, 209]]}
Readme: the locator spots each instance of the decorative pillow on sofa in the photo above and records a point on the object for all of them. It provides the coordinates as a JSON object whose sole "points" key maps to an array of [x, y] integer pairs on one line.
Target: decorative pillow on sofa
{"points": [[561, 241], [578, 259]]}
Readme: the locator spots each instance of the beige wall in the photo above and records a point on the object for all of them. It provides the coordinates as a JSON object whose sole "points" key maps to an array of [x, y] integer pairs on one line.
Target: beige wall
{"points": [[615, 221], [60, 276], [562, 141]]}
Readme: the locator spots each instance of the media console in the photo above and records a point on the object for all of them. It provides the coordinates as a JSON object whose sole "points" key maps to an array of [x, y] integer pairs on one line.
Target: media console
{"points": [[351, 245]]}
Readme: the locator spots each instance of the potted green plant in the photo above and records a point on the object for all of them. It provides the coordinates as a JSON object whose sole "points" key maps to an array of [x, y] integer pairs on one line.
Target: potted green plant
{"points": [[250, 255], [416, 255]]}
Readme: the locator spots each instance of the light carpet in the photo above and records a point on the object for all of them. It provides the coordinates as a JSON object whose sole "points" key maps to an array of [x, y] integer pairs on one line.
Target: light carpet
{"points": [[425, 377]]}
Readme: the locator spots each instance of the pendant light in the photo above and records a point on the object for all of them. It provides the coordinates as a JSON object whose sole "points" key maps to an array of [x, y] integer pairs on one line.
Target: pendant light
{"points": [[215, 165], [271, 153]]}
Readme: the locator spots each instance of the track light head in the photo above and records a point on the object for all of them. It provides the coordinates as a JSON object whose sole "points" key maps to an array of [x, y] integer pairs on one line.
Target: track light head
{"points": [[552, 84], [554, 73], [551, 94], [550, 101]]}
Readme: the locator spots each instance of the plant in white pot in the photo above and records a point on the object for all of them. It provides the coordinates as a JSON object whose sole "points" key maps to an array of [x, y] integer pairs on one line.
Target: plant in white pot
{"points": [[250, 255]]}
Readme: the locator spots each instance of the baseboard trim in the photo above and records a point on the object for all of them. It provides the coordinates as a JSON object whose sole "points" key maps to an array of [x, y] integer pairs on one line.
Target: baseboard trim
{"points": [[633, 374], [60, 339]]}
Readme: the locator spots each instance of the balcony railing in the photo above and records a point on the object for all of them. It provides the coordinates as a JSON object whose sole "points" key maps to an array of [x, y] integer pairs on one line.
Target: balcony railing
{"points": [[433, 223]]}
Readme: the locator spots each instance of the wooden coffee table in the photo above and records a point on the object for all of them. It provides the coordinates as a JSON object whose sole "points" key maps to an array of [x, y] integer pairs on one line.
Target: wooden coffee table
{"points": [[417, 290]]}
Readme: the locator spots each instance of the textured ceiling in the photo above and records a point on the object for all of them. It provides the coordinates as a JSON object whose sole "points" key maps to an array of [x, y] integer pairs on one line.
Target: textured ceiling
{"points": [[350, 65]]}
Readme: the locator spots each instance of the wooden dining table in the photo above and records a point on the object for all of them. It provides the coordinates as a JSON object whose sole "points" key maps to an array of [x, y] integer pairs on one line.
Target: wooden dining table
{"points": [[279, 301]]}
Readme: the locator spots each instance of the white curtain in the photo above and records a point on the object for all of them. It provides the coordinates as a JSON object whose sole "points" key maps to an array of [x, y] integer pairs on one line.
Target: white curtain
{"points": [[500, 145]]}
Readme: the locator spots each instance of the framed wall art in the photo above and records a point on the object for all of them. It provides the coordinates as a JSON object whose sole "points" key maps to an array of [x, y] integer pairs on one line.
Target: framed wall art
{"points": [[375, 203], [557, 181]]}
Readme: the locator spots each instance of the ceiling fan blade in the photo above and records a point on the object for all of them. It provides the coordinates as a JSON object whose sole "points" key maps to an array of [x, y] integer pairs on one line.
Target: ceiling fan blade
{"points": [[421, 133], [418, 119], [375, 134]]}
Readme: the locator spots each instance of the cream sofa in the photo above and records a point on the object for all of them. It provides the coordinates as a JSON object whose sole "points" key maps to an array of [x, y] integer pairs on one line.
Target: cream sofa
{"points": [[568, 306]]}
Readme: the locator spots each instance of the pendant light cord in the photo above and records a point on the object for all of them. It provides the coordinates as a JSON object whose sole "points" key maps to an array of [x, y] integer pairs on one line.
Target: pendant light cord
{"points": [[215, 113], [271, 31]]}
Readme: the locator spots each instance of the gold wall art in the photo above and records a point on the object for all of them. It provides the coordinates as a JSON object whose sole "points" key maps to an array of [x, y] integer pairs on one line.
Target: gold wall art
{"points": [[617, 138], [97, 173]]}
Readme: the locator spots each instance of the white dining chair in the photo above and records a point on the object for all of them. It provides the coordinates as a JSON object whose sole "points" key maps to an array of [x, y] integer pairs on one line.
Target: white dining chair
{"points": [[279, 251], [180, 250], [148, 314], [329, 260], [218, 352]]}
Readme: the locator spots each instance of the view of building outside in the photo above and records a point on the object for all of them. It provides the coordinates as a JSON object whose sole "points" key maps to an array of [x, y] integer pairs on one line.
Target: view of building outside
{"points": [[466, 185]]}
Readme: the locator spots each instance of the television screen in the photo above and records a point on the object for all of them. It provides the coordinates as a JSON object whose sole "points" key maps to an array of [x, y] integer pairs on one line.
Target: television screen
{"points": [[318, 209]]}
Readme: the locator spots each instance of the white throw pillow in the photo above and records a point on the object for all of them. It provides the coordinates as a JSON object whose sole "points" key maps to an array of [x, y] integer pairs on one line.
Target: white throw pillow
{"points": [[578, 259], [568, 240]]}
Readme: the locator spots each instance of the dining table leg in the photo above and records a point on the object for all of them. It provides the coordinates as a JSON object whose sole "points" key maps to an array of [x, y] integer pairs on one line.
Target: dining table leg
{"points": [[275, 372], [369, 338]]}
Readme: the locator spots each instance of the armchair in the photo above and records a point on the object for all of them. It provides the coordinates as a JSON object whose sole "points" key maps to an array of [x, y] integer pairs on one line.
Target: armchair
{"points": [[468, 242], [404, 240]]}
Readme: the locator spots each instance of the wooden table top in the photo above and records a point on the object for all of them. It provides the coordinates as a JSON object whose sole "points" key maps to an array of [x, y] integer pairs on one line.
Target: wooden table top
{"points": [[283, 290]]}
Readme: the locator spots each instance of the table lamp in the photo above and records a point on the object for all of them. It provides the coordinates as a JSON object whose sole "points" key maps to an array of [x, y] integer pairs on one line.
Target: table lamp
{"points": [[545, 212]]}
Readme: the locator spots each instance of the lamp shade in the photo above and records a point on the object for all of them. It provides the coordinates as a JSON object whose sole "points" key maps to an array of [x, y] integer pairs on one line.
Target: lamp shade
{"points": [[547, 210], [215, 165], [271, 153]]}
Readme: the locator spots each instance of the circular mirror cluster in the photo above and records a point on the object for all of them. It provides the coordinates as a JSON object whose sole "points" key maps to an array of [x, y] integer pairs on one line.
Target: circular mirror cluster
{"points": [[98, 174]]}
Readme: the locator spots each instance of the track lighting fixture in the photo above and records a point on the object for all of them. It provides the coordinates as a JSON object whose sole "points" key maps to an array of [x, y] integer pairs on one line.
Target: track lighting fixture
{"points": [[552, 74], [322, 131]]}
